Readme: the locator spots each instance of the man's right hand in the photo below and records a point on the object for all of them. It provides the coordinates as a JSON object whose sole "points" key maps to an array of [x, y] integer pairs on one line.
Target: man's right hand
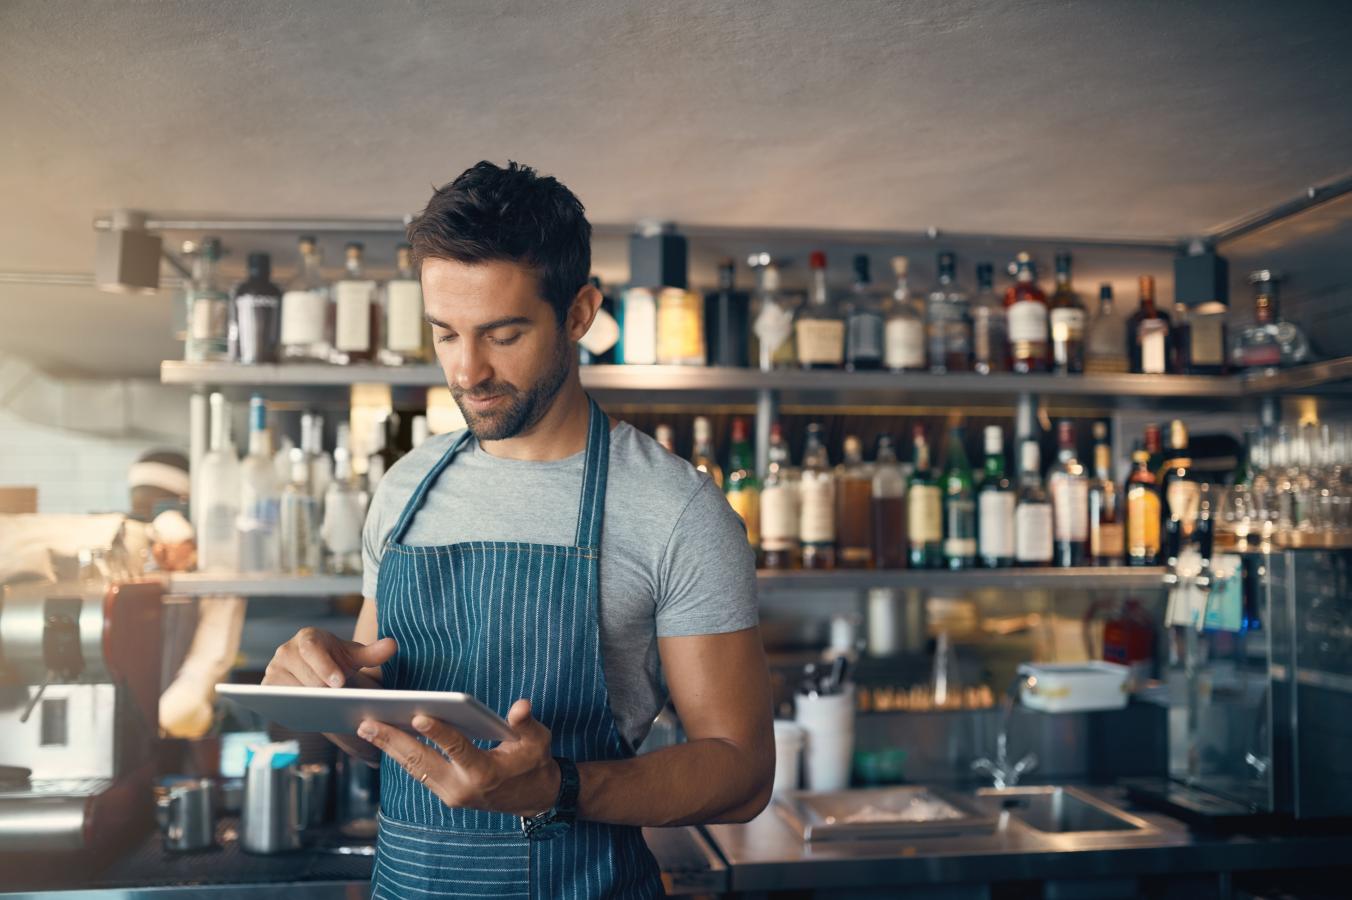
{"points": [[315, 658]]}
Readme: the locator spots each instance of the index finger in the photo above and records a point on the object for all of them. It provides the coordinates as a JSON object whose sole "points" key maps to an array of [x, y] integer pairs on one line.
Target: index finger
{"points": [[316, 655]]}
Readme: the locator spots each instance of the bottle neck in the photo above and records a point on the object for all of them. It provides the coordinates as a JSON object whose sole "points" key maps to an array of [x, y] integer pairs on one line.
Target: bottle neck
{"points": [[260, 442], [354, 267], [922, 462], [1103, 462], [1105, 306], [820, 297], [1265, 308]]}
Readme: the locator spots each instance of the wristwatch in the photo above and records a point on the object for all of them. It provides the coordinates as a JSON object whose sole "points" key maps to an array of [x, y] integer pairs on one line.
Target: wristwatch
{"points": [[557, 821]]}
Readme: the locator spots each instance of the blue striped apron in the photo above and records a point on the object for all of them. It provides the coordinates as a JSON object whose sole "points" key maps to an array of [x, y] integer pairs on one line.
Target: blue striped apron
{"points": [[502, 621]]}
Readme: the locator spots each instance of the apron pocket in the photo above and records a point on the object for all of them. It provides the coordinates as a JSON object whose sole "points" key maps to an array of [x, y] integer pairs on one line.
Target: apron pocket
{"points": [[415, 861]]}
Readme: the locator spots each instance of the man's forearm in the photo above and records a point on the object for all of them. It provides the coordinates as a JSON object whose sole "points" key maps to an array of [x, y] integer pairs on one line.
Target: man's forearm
{"points": [[699, 782]]}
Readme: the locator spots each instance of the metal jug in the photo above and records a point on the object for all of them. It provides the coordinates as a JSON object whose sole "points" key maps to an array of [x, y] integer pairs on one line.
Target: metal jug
{"points": [[187, 816], [272, 810]]}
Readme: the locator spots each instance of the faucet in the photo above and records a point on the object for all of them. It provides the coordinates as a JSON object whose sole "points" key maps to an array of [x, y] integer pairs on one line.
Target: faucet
{"points": [[1002, 773]]}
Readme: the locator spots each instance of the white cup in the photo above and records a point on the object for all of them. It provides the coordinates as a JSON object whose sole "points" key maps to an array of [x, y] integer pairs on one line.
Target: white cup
{"points": [[788, 753], [828, 720]]}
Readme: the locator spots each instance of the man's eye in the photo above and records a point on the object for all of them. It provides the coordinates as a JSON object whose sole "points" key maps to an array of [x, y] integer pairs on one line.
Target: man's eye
{"points": [[503, 342], [446, 338]]}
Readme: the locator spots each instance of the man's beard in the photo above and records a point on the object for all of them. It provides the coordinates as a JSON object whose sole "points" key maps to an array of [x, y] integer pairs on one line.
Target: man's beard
{"points": [[523, 409]]}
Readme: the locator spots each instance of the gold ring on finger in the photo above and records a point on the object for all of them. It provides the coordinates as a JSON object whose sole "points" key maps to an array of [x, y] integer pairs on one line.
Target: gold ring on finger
{"points": [[423, 779]]}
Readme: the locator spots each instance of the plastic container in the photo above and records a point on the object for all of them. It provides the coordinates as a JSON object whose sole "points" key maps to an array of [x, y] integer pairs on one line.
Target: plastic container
{"points": [[1073, 687], [789, 740], [828, 720]]}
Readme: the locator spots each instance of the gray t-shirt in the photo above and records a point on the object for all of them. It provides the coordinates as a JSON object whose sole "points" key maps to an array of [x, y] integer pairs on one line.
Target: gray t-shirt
{"points": [[674, 556]]}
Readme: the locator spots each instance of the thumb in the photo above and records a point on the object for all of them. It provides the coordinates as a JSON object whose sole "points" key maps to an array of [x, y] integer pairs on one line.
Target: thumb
{"points": [[365, 655], [519, 717]]}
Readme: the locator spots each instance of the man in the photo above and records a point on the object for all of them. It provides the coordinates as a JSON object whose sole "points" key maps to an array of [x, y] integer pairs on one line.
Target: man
{"points": [[558, 566]]}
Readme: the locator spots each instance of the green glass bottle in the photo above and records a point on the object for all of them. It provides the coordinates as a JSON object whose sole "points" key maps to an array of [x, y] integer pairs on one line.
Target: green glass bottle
{"points": [[959, 505], [924, 510]]}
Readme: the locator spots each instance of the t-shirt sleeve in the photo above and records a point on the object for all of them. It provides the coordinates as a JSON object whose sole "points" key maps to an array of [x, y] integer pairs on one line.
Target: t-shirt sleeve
{"points": [[708, 571]]}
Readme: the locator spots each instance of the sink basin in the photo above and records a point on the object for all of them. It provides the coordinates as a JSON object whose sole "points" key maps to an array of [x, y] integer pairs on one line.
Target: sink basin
{"points": [[1060, 810], [884, 814]]}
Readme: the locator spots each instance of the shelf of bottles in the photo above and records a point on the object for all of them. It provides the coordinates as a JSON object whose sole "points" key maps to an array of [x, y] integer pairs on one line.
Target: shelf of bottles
{"points": [[210, 584]]}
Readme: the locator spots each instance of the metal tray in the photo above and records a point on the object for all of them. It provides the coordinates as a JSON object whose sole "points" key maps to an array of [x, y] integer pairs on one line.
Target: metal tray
{"points": [[883, 813]]}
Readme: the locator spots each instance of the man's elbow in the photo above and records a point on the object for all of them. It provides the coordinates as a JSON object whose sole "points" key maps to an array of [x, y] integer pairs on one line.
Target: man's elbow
{"points": [[758, 791]]}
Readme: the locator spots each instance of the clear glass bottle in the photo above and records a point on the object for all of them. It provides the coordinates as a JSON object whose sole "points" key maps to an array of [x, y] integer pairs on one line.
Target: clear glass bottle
{"points": [[1069, 485], [948, 321], [320, 463], [1270, 342], [864, 338], [208, 329], [638, 328], [990, 328], [356, 311], [904, 330], [960, 535], [299, 521], [727, 320], [1143, 511], [1032, 511], [743, 487], [307, 333], [255, 315], [1105, 342], [260, 496], [405, 335], [819, 328], [779, 514], [924, 509], [680, 328], [817, 503], [1150, 333], [665, 437], [1026, 310], [217, 494], [703, 457], [1106, 534], [888, 499], [995, 505], [854, 508], [344, 513], [1067, 317]]}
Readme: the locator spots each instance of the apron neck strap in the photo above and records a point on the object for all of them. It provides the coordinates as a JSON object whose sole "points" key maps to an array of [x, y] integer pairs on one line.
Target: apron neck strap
{"points": [[420, 494]]}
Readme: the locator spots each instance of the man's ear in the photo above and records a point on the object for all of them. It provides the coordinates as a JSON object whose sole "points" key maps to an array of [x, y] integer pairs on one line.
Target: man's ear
{"points": [[585, 304]]}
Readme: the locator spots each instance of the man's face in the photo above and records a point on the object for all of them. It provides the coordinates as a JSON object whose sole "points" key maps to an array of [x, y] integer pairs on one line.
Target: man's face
{"points": [[498, 341]]}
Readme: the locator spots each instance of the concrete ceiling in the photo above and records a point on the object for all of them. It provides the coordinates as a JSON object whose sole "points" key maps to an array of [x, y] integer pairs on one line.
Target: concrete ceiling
{"points": [[1140, 119]]}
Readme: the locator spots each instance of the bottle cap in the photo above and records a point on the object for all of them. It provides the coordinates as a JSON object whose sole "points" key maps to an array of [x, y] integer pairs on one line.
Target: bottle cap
{"points": [[1063, 263], [900, 266], [1100, 431], [947, 262], [260, 265], [776, 431], [861, 268], [739, 430], [817, 260], [1065, 434], [703, 431], [852, 446], [985, 274], [1105, 291]]}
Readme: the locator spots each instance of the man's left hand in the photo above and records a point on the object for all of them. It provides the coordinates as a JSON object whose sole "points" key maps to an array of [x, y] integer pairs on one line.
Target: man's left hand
{"points": [[518, 777]]}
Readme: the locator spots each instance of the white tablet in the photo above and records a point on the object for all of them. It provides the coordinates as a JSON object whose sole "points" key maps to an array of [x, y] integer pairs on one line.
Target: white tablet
{"points": [[341, 710]]}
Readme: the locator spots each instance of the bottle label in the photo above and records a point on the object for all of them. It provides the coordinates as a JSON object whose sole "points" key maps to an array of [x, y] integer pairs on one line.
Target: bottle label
{"points": [[341, 530], [1070, 507], [746, 503], [1106, 540], [817, 516], [989, 335], [1206, 341], [603, 334], [680, 328], [210, 318], [774, 327], [779, 516], [1033, 533], [1184, 499], [404, 316], [904, 343], [639, 331], [1143, 522], [924, 514], [820, 342], [352, 328], [996, 524], [960, 536], [303, 314], [1027, 322], [1067, 325], [1153, 356], [865, 337]]}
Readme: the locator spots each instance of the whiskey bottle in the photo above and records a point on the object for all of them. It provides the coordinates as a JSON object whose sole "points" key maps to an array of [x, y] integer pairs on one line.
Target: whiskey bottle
{"points": [[727, 320], [356, 311], [1069, 484], [995, 502], [405, 337], [904, 331], [1270, 342], [1143, 512], [307, 333], [1180, 490], [1105, 505], [1067, 321], [948, 321], [854, 508], [889, 508], [1026, 309], [743, 487], [817, 495], [1032, 511], [779, 513], [1105, 342], [990, 331], [960, 544], [1149, 332], [863, 322], [703, 457], [820, 328], [924, 509], [680, 328]]}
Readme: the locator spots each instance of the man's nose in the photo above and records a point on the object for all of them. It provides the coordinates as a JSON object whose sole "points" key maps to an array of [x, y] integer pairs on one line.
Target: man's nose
{"points": [[472, 366]]}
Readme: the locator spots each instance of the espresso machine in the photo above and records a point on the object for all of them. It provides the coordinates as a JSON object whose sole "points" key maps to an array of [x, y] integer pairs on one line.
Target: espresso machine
{"points": [[79, 695]]}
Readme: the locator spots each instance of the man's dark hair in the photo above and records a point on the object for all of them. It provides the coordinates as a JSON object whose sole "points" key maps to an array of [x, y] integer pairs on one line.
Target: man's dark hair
{"points": [[515, 215]]}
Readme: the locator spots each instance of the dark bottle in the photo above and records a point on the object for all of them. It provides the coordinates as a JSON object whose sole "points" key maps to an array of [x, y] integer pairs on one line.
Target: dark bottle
{"points": [[1106, 540], [889, 508], [1149, 334], [854, 508], [1154, 446], [727, 320], [959, 505], [863, 322], [1143, 512], [1067, 319], [1180, 490], [995, 505], [924, 510], [597, 347], [256, 315], [1026, 310], [1069, 484]]}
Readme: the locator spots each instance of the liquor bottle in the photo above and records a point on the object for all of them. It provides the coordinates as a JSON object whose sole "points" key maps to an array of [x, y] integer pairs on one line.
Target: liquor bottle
{"points": [[1105, 505], [356, 311], [1203, 339], [1026, 309], [1149, 332], [889, 508], [948, 321], [990, 329], [817, 498], [1105, 342], [1067, 317], [680, 328], [298, 528], [1069, 486], [343, 515], [281, 460], [924, 509], [772, 327], [259, 497], [864, 338], [995, 506], [405, 335], [638, 328], [598, 347], [703, 457], [1154, 446], [854, 508], [1270, 342], [307, 335], [208, 331], [820, 328], [743, 487], [1143, 511], [1033, 544], [665, 437], [1179, 489], [255, 315], [904, 330], [377, 457], [779, 506], [321, 464], [217, 493], [960, 545], [727, 320], [420, 431]]}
